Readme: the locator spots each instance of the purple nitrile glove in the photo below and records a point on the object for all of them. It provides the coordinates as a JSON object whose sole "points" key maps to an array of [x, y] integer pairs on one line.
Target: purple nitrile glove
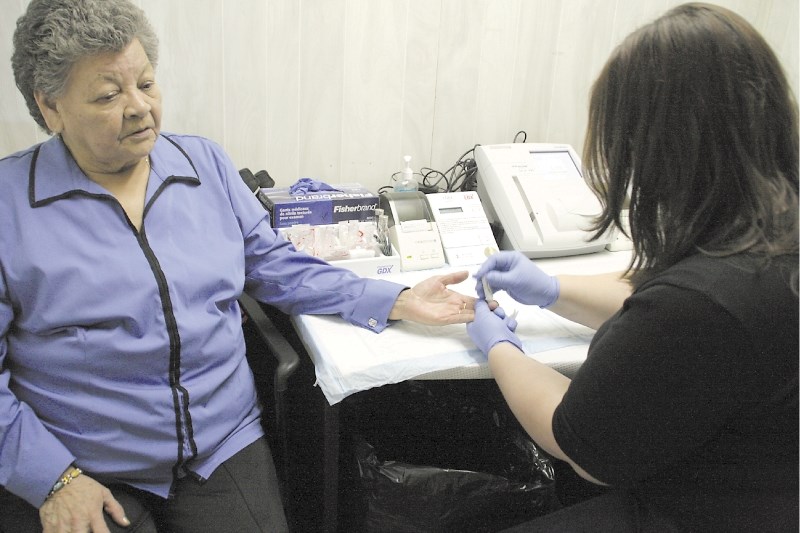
{"points": [[307, 185], [491, 327], [519, 277]]}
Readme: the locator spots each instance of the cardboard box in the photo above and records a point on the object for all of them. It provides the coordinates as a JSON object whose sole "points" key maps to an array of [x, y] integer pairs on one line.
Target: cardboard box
{"points": [[350, 202]]}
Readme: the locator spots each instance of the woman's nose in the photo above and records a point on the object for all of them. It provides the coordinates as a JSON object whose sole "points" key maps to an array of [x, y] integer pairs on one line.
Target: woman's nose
{"points": [[137, 105]]}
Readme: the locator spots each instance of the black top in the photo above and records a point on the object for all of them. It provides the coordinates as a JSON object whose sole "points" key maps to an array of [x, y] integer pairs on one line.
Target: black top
{"points": [[689, 397]]}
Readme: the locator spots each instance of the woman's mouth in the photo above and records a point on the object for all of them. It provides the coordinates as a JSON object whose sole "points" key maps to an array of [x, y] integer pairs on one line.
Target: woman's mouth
{"points": [[140, 133]]}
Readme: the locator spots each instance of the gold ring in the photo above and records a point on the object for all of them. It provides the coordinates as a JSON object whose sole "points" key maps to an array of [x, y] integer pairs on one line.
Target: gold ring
{"points": [[465, 306]]}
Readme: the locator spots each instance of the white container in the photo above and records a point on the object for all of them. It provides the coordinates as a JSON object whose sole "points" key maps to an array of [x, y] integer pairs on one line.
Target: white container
{"points": [[372, 267]]}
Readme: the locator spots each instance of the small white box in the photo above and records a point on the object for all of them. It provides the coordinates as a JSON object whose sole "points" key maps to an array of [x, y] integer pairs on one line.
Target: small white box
{"points": [[372, 267]]}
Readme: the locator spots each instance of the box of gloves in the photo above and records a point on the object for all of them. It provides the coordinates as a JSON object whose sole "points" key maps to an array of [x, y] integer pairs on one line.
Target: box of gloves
{"points": [[313, 202]]}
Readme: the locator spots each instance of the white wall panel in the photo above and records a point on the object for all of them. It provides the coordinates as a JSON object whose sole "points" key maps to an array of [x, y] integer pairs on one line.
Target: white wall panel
{"points": [[280, 134], [372, 98], [456, 80], [536, 56], [580, 55], [190, 66], [245, 87], [496, 63], [340, 90], [322, 59], [419, 85]]}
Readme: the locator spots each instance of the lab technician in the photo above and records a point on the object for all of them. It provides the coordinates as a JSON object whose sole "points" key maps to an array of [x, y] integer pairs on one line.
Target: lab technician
{"points": [[124, 391], [687, 405]]}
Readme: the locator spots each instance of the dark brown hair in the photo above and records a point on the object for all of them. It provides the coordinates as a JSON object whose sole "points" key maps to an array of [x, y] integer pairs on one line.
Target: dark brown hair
{"points": [[693, 125]]}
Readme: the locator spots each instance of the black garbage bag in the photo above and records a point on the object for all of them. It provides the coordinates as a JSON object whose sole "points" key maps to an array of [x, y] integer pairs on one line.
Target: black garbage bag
{"points": [[467, 466]]}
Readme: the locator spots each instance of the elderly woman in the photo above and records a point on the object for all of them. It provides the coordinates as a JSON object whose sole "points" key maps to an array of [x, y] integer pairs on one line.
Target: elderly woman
{"points": [[124, 391], [687, 405]]}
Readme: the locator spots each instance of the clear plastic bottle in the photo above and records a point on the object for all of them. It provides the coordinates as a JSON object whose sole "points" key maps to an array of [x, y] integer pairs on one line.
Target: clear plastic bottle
{"points": [[382, 233], [406, 181]]}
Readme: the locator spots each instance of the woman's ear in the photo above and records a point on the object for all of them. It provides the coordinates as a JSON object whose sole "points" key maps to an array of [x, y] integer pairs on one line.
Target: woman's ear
{"points": [[49, 111]]}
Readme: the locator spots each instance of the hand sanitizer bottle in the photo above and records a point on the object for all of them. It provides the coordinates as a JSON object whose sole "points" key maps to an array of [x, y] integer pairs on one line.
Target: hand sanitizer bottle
{"points": [[406, 181]]}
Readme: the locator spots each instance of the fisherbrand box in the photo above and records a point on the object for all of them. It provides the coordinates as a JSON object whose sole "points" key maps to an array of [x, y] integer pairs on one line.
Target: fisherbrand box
{"points": [[350, 202]]}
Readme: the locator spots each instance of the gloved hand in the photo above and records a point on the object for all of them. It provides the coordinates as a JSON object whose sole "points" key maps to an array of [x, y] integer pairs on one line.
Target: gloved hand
{"points": [[491, 327], [519, 277]]}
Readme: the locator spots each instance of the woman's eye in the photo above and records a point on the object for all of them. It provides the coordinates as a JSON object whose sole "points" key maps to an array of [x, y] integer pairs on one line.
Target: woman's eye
{"points": [[107, 97]]}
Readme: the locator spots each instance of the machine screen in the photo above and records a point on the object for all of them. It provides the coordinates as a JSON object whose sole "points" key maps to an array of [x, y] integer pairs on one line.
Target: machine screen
{"points": [[554, 165]]}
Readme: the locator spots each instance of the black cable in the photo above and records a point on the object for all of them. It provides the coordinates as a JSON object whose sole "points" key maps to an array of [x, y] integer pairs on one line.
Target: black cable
{"points": [[432, 179], [461, 176]]}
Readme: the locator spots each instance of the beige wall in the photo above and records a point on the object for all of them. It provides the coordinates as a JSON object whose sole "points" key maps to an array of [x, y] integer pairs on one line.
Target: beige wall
{"points": [[340, 90]]}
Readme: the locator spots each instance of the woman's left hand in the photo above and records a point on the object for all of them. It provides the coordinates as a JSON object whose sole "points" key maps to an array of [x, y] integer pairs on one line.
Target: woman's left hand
{"points": [[492, 326], [431, 302]]}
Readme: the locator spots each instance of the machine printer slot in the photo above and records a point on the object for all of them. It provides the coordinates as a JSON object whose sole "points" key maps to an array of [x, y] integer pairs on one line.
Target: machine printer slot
{"points": [[412, 230]]}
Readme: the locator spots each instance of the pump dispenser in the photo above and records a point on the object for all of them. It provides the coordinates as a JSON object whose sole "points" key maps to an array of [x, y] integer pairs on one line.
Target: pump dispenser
{"points": [[406, 182]]}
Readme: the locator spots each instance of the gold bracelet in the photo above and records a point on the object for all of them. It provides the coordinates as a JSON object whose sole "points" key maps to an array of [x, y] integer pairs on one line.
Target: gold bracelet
{"points": [[66, 479]]}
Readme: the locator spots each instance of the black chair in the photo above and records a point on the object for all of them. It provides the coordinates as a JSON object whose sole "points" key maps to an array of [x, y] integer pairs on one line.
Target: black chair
{"points": [[273, 340], [272, 345]]}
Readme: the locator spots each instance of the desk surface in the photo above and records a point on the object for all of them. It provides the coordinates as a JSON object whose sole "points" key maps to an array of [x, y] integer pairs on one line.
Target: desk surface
{"points": [[348, 359]]}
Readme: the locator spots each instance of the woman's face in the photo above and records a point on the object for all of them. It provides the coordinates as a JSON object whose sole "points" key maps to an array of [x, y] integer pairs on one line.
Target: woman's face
{"points": [[110, 113]]}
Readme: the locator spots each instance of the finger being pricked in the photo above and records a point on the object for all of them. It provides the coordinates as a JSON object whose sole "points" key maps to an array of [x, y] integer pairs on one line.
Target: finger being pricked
{"points": [[463, 311], [453, 278], [465, 304]]}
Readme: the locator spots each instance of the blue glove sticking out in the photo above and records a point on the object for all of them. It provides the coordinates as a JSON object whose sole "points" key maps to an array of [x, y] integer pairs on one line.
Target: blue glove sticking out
{"points": [[307, 185]]}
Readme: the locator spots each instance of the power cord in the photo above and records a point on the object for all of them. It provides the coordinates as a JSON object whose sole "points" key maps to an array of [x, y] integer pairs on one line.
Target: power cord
{"points": [[461, 176]]}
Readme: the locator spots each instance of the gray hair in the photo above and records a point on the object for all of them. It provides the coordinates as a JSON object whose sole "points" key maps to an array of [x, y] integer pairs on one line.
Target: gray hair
{"points": [[53, 35]]}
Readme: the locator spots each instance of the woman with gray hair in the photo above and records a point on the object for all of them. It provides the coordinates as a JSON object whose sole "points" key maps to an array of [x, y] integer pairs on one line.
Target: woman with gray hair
{"points": [[126, 400]]}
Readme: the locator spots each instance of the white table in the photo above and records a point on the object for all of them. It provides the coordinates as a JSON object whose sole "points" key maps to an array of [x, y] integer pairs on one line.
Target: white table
{"points": [[348, 359]]}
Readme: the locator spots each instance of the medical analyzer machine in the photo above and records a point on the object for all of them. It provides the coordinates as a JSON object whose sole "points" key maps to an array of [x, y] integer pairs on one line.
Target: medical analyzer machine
{"points": [[537, 193]]}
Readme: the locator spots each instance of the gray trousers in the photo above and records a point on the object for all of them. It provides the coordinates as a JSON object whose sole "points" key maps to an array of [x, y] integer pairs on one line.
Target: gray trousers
{"points": [[241, 495]]}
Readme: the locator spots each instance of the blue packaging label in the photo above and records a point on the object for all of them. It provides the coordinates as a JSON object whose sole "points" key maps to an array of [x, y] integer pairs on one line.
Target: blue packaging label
{"points": [[352, 202]]}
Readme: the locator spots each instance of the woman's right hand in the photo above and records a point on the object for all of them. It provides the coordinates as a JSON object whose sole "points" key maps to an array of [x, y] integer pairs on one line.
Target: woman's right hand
{"points": [[519, 277], [80, 506]]}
